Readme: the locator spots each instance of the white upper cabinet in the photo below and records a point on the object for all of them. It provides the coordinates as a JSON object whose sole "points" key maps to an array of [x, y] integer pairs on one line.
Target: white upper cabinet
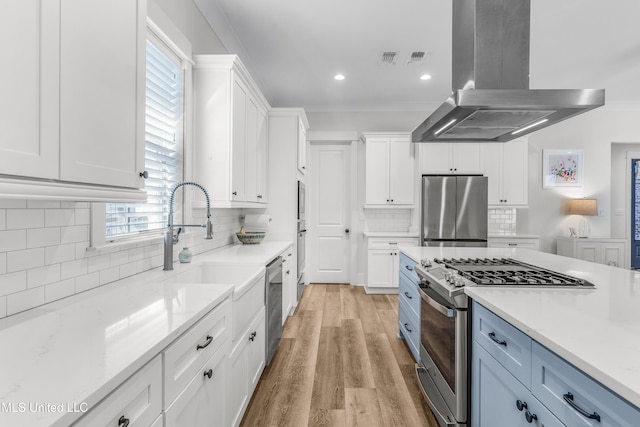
{"points": [[73, 112], [302, 148], [231, 132], [102, 90], [507, 169], [459, 158], [29, 35], [389, 169]]}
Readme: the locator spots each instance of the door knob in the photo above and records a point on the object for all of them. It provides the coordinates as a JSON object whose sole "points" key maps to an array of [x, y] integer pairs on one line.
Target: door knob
{"points": [[346, 230]]}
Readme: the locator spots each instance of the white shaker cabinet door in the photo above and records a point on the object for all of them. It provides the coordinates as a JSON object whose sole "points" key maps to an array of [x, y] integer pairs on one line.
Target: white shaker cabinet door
{"points": [[401, 176], [29, 37], [468, 158], [377, 171], [102, 89]]}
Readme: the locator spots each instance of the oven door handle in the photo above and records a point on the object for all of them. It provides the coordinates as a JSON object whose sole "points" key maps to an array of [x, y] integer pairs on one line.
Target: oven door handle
{"points": [[437, 302]]}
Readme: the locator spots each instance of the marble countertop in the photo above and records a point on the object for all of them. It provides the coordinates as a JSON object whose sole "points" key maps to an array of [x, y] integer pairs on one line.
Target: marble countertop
{"points": [[79, 349], [390, 234], [595, 330]]}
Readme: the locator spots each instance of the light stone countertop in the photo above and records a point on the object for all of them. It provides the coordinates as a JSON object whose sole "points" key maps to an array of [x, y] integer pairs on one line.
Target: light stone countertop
{"points": [[390, 234], [77, 350], [595, 330]]}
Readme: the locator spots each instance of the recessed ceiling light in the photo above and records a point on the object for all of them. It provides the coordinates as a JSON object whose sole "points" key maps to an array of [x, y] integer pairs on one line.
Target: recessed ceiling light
{"points": [[425, 77], [339, 77]]}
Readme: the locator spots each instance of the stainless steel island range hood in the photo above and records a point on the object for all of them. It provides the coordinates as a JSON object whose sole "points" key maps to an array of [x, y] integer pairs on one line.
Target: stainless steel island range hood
{"points": [[491, 99]]}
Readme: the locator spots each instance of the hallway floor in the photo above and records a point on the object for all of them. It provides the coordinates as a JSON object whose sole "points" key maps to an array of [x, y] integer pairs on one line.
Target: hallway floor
{"points": [[340, 363]]}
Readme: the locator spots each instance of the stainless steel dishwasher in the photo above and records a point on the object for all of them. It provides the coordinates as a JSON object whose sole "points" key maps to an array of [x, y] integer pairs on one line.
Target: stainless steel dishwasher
{"points": [[273, 300]]}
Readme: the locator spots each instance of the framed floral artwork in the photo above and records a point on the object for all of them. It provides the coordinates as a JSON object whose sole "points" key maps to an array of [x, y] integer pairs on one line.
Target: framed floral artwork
{"points": [[562, 168]]}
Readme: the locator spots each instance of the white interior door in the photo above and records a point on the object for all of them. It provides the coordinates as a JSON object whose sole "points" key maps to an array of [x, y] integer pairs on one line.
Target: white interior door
{"points": [[328, 189]]}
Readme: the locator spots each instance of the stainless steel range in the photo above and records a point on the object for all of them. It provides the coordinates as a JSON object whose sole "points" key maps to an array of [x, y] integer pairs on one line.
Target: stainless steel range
{"points": [[444, 337]]}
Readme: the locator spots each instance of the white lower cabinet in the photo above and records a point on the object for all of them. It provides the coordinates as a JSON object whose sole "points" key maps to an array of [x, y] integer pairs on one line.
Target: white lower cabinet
{"points": [[202, 402], [600, 250], [207, 375], [288, 282], [136, 402], [246, 363], [383, 260], [185, 357]]}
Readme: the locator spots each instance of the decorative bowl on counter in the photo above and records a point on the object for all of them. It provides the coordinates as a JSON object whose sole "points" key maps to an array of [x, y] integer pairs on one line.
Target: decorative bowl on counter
{"points": [[251, 237]]}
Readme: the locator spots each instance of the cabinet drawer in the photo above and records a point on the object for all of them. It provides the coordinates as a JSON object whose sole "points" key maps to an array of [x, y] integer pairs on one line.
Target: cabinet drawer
{"points": [[203, 401], [245, 306], [408, 327], [408, 293], [391, 242], [138, 400], [505, 343], [186, 356], [406, 267], [553, 378]]}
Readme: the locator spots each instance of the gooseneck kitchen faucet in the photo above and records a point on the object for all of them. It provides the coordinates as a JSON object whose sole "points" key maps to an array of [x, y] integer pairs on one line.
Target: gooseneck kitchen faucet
{"points": [[169, 238]]}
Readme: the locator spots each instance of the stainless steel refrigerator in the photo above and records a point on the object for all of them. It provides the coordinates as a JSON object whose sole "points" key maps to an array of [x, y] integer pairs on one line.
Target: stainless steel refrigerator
{"points": [[454, 211]]}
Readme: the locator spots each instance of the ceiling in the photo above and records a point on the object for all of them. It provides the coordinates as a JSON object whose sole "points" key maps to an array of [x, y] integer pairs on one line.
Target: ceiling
{"points": [[293, 48]]}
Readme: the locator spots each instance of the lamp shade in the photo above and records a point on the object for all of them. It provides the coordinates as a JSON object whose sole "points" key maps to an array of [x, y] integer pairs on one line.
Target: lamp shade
{"points": [[582, 207]]}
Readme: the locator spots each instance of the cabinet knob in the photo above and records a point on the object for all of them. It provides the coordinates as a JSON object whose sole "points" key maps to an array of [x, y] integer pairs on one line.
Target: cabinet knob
{"points": [[521, 405], [144, 174], [391, 200], [253, 336], [288, 271], [530, 417], [346, 230], [124, 422], [304, 167], [259, 196], [208, 373], [235, 193]]}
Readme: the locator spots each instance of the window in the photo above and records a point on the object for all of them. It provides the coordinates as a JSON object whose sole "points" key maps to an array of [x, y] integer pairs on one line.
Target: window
{"points": [[163, 145]]}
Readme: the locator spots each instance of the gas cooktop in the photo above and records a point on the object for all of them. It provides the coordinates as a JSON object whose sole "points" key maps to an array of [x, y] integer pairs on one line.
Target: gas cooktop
{"points": [[505, 272]]}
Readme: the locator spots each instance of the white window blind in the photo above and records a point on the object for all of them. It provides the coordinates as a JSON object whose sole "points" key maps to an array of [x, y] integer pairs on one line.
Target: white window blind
{"points": [[163, 145]]}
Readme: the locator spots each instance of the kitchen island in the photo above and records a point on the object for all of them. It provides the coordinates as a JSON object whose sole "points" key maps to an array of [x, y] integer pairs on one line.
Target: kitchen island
{"points": [[595, 330]]}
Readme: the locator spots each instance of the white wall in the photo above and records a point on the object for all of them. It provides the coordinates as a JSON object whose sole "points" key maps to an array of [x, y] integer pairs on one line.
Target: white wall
{"points": [[594, 132]]}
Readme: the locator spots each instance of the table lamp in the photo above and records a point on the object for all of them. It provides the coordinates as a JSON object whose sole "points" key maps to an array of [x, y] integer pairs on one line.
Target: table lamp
{"points": [[583, 207]]}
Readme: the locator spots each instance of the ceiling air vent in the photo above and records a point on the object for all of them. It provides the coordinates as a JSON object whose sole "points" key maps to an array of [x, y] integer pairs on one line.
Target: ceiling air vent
{"points": [[417, 57], [389, 58]]}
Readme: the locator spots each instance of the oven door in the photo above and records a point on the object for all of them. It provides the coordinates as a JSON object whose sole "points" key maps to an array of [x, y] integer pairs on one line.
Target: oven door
{"points": [[443, 352]]}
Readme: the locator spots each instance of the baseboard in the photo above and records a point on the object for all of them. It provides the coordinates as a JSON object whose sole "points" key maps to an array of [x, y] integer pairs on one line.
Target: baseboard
{"points": [[378, 291]]}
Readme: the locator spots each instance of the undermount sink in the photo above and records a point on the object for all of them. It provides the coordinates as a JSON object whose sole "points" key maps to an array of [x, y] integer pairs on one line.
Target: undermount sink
{"points": [[239, 275]]}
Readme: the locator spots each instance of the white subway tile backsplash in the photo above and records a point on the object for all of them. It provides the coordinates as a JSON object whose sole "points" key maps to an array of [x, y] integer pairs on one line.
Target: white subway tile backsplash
{"points": [[40, 237], [22, 260], [73, 268], [59, 290], [502, 221], [74, 234], [97, 263], [109, 275], [43, 275], [13, 282], [88, 281], [12, 240], [82, 216], [43, 204], [13, 204], [59, 217], [60, 253], [24, 218], [46, 257], [25, 300]]}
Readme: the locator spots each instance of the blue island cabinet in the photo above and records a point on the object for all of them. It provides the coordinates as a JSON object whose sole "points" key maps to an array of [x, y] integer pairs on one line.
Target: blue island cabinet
{"points": [[409, 305], [515, 381]]}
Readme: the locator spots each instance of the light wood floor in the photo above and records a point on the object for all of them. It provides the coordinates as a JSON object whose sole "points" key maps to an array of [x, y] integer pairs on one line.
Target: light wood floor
{"points": [[340, 363]]}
